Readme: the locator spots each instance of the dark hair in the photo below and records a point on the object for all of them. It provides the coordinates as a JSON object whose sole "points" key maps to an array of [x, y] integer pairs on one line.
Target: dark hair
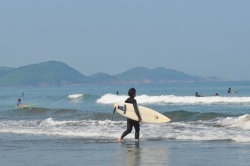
{"points": [[19, 100], [131, 92]]}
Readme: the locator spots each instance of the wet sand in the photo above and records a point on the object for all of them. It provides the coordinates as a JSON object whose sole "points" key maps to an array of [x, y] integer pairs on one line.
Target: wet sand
{"points": [[26, 150]]}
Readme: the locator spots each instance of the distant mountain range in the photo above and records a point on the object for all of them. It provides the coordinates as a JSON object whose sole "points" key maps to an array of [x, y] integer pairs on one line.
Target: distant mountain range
{"points": [[54, 73]]}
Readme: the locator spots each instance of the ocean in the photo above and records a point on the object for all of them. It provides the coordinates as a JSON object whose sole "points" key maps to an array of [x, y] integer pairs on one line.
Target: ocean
{"points": [[75, 125]]}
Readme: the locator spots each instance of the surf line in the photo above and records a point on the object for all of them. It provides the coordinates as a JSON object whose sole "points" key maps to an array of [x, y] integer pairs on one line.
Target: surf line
{"points": [[106, 127]]}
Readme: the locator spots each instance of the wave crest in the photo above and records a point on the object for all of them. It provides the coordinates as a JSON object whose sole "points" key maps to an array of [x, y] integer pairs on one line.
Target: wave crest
{"points": [[75, 96], [172, 99]]}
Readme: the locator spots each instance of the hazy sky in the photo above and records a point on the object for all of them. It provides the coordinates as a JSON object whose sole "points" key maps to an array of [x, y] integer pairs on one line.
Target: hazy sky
{"points": [[206, 38]]}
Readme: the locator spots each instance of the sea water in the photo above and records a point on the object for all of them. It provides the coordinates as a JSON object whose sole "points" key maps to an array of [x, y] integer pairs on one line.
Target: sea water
{"points": [[75, 125]]}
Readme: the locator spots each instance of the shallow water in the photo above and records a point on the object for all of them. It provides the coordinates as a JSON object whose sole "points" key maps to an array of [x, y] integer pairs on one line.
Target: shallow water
{"points": [[74, 125], [29, 150]]}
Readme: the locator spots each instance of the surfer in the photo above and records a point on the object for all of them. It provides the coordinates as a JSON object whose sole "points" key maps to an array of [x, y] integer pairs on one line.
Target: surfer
{"points": [[132, 123], [229, 90], [197, 94], [117, 93], [19, 102], [216, 94]]}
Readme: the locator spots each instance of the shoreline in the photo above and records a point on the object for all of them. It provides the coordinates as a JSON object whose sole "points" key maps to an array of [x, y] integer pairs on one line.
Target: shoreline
{"points": [[35, 150]]}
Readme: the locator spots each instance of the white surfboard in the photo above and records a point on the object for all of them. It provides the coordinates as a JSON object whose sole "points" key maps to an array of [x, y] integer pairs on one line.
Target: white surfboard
{"points": [[236, 91], [148, 115], [25, 106]]}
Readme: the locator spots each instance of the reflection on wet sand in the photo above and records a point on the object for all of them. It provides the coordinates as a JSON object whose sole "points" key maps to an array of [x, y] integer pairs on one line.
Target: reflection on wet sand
{"points": [[147, 155], [133, 154]]}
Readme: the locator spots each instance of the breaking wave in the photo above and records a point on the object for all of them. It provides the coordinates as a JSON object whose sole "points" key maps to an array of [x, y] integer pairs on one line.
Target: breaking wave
{"points": [[172, 99], [225, 128], [75, 96]]}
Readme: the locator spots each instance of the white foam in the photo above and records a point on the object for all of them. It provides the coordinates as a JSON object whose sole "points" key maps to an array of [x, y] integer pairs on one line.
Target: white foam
{"points": [[111, 99], [172, 99], [50, 127], [75, 96], [236, 129], [242, 122]]}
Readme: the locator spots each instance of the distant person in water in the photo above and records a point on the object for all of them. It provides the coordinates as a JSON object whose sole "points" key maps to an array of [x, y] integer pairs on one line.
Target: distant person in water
{"points": [[117, 93], [19, 102], [22, 94], [229, 90], [216, 94], [197, 94], [132, 123]]}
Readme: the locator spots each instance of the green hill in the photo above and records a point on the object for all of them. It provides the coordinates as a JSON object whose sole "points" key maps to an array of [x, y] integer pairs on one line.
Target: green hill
{"points": [[158, 75], [103, 78], [55, 73], [50, 73], [5, 70]]}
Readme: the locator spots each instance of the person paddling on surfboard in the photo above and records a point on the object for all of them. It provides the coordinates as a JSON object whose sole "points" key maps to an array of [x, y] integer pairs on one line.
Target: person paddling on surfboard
{"points": [[19, 102], [198, 95], [229, 90], [132, 123]]}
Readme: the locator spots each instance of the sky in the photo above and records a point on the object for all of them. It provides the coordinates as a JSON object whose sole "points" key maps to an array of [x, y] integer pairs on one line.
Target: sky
{"points": [[204, 38]]}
